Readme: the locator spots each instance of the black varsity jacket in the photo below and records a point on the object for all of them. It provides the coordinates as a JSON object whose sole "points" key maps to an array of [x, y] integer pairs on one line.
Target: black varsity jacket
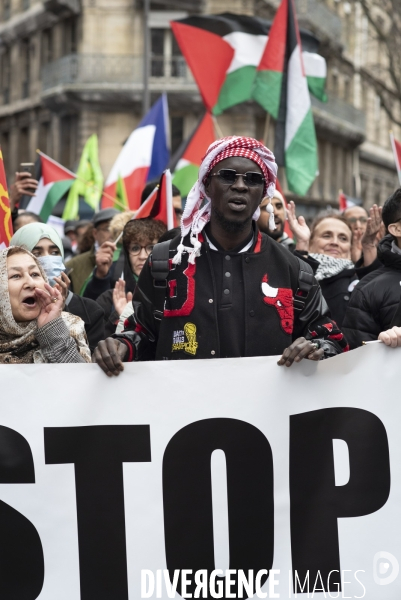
{"points": [[189, 326]]}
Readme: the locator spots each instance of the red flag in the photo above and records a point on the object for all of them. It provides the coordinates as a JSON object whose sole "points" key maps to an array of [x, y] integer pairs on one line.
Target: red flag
{"points": [[6, 231], [342, 201], [146, 208], [159, 204], [396, 146]]}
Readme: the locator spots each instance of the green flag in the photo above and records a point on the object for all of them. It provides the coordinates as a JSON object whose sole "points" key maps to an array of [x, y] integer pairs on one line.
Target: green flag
{"points": [[89, 182], [121, 195]]}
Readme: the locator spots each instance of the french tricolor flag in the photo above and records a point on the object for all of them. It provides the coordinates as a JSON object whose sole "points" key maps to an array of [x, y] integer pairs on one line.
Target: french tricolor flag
{"points": [[145, 155]]}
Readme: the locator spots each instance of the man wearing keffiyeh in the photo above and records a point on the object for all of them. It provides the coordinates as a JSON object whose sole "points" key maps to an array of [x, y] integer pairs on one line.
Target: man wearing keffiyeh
{"points": [[230, 291]]}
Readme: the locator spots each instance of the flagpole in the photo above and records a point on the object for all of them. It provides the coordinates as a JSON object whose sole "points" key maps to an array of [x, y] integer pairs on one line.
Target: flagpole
{"points": [[146, 45], [217, 127], [105, 194], [397, 164], [266, 129]]}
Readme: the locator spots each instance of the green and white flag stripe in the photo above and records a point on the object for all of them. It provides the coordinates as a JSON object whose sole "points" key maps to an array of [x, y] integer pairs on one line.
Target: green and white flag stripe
{"points": [[54, 181]]}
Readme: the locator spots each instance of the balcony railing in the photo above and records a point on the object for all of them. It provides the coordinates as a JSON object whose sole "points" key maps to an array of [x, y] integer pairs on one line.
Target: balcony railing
{"points": [[341, 113], [111, 69]]}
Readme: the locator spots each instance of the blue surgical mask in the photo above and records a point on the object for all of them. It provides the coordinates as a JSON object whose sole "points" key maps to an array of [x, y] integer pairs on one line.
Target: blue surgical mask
{"points": [[53, 266]]}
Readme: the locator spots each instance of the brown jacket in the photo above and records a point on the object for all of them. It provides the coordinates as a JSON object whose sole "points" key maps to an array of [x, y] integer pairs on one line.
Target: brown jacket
{"points": [[82, 266]]}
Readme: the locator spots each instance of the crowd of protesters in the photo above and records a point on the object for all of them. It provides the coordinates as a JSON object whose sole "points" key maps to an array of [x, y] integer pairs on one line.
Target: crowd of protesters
{"points": [[229, 282]]}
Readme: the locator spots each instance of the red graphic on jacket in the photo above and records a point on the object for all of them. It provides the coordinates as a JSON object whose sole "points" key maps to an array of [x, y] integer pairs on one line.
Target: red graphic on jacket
{"points": [[282, 300]]}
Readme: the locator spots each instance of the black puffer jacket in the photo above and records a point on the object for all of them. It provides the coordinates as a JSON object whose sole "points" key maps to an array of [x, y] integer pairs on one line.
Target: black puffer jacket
{"points": [[337, 290], [375, 299]]}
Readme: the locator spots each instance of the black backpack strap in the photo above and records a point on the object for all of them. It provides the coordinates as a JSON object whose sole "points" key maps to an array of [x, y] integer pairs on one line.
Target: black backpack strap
{"points": [[305, 284], [160, 268]]}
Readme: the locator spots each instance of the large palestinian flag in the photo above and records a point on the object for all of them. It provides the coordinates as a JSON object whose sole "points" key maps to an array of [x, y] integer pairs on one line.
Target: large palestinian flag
{"points": [[186, 162], [223, 52], [54, 181], [282, 89]]}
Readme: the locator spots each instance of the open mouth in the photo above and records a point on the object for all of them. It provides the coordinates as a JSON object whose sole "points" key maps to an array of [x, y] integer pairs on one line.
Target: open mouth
{"points": [[237, 204], [30, 301]]}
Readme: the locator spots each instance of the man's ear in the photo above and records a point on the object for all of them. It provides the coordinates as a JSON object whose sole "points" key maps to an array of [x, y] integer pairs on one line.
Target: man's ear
{"points": [[395, 229]]}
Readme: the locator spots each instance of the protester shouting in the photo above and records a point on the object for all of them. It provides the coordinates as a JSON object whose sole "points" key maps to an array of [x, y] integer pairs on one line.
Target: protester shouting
{"points": [[224, 289], [33, 328], [45, 243], [327, 248]]}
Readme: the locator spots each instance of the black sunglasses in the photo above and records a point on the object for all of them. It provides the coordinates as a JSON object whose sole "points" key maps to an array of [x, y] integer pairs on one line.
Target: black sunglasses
{"points": [[229, 176]]}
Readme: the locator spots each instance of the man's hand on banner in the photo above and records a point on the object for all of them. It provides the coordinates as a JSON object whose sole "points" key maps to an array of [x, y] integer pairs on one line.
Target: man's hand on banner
{"points": [[391, 337], [300, 349], [109, 355]]}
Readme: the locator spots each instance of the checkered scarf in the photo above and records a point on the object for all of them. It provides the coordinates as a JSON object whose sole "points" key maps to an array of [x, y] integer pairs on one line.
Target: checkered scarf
{"points": [[198, 206]]}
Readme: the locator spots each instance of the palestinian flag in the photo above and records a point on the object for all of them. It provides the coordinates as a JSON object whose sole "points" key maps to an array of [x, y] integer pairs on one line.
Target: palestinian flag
{"points": [[223, 52], [6, 230], [282, 89], [54, 182], [185, 164]]}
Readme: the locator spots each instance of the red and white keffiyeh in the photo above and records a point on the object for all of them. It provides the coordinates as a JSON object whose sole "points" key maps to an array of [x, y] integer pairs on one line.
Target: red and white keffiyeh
{"points": [[198, 206]]}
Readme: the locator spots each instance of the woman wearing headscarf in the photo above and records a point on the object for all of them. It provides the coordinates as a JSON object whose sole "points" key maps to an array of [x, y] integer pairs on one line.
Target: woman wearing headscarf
{"points": [[46, 245], [33, 326]]}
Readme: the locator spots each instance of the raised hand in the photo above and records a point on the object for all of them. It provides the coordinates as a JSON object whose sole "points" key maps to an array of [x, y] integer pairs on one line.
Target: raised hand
{"points": [[373, 225], [24, 184], [120, 298], [51, 303], [104, 259], [63, 284], [299, 228]]}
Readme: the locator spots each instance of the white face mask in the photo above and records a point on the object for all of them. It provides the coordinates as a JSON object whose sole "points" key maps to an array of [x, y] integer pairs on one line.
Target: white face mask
{"points": [[53, 266]]}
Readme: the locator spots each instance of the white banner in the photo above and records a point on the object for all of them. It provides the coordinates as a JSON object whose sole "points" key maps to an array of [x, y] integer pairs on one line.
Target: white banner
{"points": [[206, 475]]}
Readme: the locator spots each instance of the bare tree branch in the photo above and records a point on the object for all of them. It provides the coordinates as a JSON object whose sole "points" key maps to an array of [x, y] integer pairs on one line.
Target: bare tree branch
{"points": [[384, 19]]}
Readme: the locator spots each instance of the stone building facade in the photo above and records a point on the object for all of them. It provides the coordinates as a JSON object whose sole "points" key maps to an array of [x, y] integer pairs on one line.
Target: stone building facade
{"points": [[70, 68]]}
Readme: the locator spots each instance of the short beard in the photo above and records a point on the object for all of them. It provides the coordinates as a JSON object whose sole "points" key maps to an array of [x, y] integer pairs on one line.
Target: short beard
{"points": [[230, 226], [276, 234]]}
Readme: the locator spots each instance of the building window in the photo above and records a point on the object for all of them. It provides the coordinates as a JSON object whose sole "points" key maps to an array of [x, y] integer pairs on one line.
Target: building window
{"points": [[5, 76], [23, 145], [44, 137], [25, 68], [347, 89], [70, 36], [46, 50], [177, 132], [166, 57], [334, 82], [6, 9], [68, 131]]}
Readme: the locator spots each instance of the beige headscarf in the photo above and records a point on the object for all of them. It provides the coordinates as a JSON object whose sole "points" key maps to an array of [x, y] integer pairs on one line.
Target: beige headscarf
{"points": [[17, 340]]}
